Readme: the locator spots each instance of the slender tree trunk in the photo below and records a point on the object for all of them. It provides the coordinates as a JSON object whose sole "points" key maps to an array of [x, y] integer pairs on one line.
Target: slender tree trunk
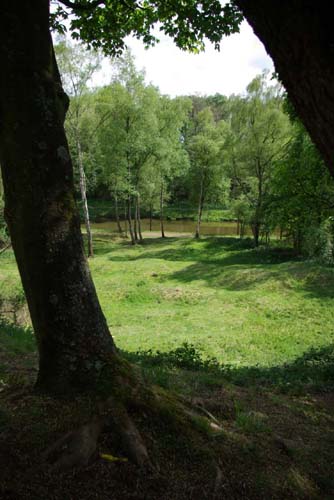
{"points": [[162, 211], [299, 36], [83, 191], [119, 227], [242, 229], [256, 232], [257, 222], [135, 220], [238, 227], [138, 219], [200, 209], [125, 220], [132, 236], [74, 343], [150, 216]]}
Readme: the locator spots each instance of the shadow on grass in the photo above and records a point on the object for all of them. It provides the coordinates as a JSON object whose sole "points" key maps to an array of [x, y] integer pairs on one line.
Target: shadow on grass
{"points": [[215, 250], [234, 264], [314, 370], [316, 280]]}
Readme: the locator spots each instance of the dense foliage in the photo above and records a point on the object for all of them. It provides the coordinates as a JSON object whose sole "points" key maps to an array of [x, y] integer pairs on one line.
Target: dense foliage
{"points": [[247, 154]]}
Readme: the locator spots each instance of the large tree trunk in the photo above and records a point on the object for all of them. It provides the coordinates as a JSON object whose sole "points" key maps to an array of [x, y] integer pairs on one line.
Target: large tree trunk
{"points": [[299, 36], [73, 339], [83, 191]]}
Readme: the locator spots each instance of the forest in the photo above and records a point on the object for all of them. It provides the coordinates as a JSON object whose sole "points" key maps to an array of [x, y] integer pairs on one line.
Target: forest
{"points": [[166, 263], [138, 153]]}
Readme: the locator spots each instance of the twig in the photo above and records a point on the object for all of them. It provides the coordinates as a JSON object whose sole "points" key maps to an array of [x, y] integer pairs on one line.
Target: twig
{"points": [[5, 248]]}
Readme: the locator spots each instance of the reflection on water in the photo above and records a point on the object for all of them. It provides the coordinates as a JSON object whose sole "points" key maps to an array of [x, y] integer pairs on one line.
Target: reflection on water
{"points": [[179, 226]]}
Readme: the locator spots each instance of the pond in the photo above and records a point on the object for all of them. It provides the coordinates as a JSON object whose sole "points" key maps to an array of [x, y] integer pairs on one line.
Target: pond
{"points": [[224, 228]]}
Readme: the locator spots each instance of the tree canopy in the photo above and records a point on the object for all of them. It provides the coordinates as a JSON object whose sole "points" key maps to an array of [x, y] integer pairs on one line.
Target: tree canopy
{"points": [[105, 23]]}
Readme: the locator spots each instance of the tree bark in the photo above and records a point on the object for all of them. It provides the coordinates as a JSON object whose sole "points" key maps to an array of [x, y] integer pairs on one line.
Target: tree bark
{"points": [[299, 36], [72, 334], [83, 191]]}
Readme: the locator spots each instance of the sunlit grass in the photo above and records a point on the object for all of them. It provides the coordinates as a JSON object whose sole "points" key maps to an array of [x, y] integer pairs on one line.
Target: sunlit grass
{"points": [[243, 306]]}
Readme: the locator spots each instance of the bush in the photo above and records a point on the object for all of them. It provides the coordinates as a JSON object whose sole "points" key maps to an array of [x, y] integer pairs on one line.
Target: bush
{"points": [[319, 242]]}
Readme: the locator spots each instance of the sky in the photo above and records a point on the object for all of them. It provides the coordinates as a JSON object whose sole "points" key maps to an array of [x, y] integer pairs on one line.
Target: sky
{"points": [[242, 56]]}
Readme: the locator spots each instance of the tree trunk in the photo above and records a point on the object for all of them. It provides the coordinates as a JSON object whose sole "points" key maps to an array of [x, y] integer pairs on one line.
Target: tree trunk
{"points": [[151, 217], [73, 339], [138, 219], [242, 229], [299, 36], [256, 232], [119, 227], [200, 209], [162, 212], [132, 236], [125, 219], [84, 201], [135, 220]]}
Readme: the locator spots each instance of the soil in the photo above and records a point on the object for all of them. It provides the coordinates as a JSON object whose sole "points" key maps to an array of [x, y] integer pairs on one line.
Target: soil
{"points": [[271, 445]]}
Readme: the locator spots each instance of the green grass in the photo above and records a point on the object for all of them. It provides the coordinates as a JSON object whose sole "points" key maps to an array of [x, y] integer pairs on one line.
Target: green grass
{"points": [[262, 313], [244, 306]]}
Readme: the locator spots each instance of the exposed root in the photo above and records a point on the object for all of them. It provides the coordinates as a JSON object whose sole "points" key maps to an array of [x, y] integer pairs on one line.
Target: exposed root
{"points": [[197, 409], [131, 440], [218, 482], [80, 447], [75, 449]]}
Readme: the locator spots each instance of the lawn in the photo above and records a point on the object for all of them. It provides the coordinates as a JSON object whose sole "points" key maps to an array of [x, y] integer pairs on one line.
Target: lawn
{"points": [[244, 306]]}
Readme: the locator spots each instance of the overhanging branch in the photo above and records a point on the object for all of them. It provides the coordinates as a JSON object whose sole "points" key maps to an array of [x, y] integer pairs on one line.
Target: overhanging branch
{"points": [[81, 7]]}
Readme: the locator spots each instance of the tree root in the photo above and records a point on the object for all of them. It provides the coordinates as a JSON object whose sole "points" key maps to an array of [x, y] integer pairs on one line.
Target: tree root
{"points": [[75, 449], [79, 448], [131, 440], [218, 481]]}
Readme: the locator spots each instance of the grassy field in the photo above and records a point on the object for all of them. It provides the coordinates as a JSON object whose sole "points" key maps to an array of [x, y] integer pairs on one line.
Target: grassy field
{"points": [[245, 334], [253, 310]]}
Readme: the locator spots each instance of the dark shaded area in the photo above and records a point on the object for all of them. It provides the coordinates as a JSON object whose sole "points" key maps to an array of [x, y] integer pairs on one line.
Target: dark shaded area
{"points": [[314, 370], [208, 251]]}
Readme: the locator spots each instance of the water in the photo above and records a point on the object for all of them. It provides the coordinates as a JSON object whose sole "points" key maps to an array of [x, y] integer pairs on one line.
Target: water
{"points": [[225, 228]]}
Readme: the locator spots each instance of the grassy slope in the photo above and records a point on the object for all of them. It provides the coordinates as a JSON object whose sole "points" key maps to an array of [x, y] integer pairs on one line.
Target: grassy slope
{"points": [[244, 306]]}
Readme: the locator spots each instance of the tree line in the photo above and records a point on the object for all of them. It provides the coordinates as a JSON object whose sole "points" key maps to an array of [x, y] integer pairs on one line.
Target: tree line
{"points": [[248, 154]]}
